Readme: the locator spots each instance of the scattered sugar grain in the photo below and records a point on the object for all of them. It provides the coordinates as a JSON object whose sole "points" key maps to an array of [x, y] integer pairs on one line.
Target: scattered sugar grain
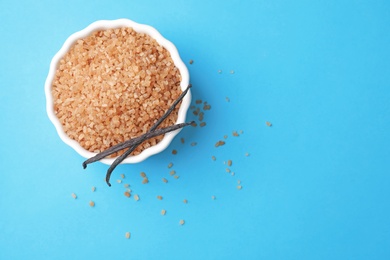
{"points": [[235, 133], [228, 170], [198, 101], [92, 204], [194, 143], [127, 194], [185, 201], [126, 185], [201, 116], [225, 136], [143, 175], [182, 140], [219, 143], [170, 165], [227, 99], [269, 124], [191, 61], [176, 177], [74, 195], [136, 197], [164, 180], [93, 188], [122, 176], [213, 197], [202, 124], [196, 112], [145, 181], [206, 107], [172, 172], [229, 163], [213, 158], [181, 222], [239, 187], [174, 152], [163, 212], [159, 197], [127, 235], [119, 181]]}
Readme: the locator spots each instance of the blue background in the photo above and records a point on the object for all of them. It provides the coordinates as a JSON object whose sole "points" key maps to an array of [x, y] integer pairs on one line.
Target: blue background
{"points": [[315, 186]]}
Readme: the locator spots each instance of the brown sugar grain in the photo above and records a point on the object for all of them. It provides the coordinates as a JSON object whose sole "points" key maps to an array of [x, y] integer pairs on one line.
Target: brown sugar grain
{"points": [[219, 143], [206, 107], [112, 86], [127, 235], [201, 116], [92, 204]]}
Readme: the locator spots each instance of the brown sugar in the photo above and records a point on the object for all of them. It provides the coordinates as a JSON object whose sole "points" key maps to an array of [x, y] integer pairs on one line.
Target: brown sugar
{"points": [[112, 86]]}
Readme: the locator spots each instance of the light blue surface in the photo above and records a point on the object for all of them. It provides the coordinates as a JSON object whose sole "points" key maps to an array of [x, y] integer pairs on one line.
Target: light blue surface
{"points": [[315, 186]]}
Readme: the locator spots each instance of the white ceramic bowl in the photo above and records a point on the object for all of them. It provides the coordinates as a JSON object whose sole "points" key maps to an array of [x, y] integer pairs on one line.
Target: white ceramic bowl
{"points": [[108, 24]]}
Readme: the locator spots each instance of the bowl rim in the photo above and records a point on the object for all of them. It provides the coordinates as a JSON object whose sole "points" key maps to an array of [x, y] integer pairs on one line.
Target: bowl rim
{"points": [[140, 28]]}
